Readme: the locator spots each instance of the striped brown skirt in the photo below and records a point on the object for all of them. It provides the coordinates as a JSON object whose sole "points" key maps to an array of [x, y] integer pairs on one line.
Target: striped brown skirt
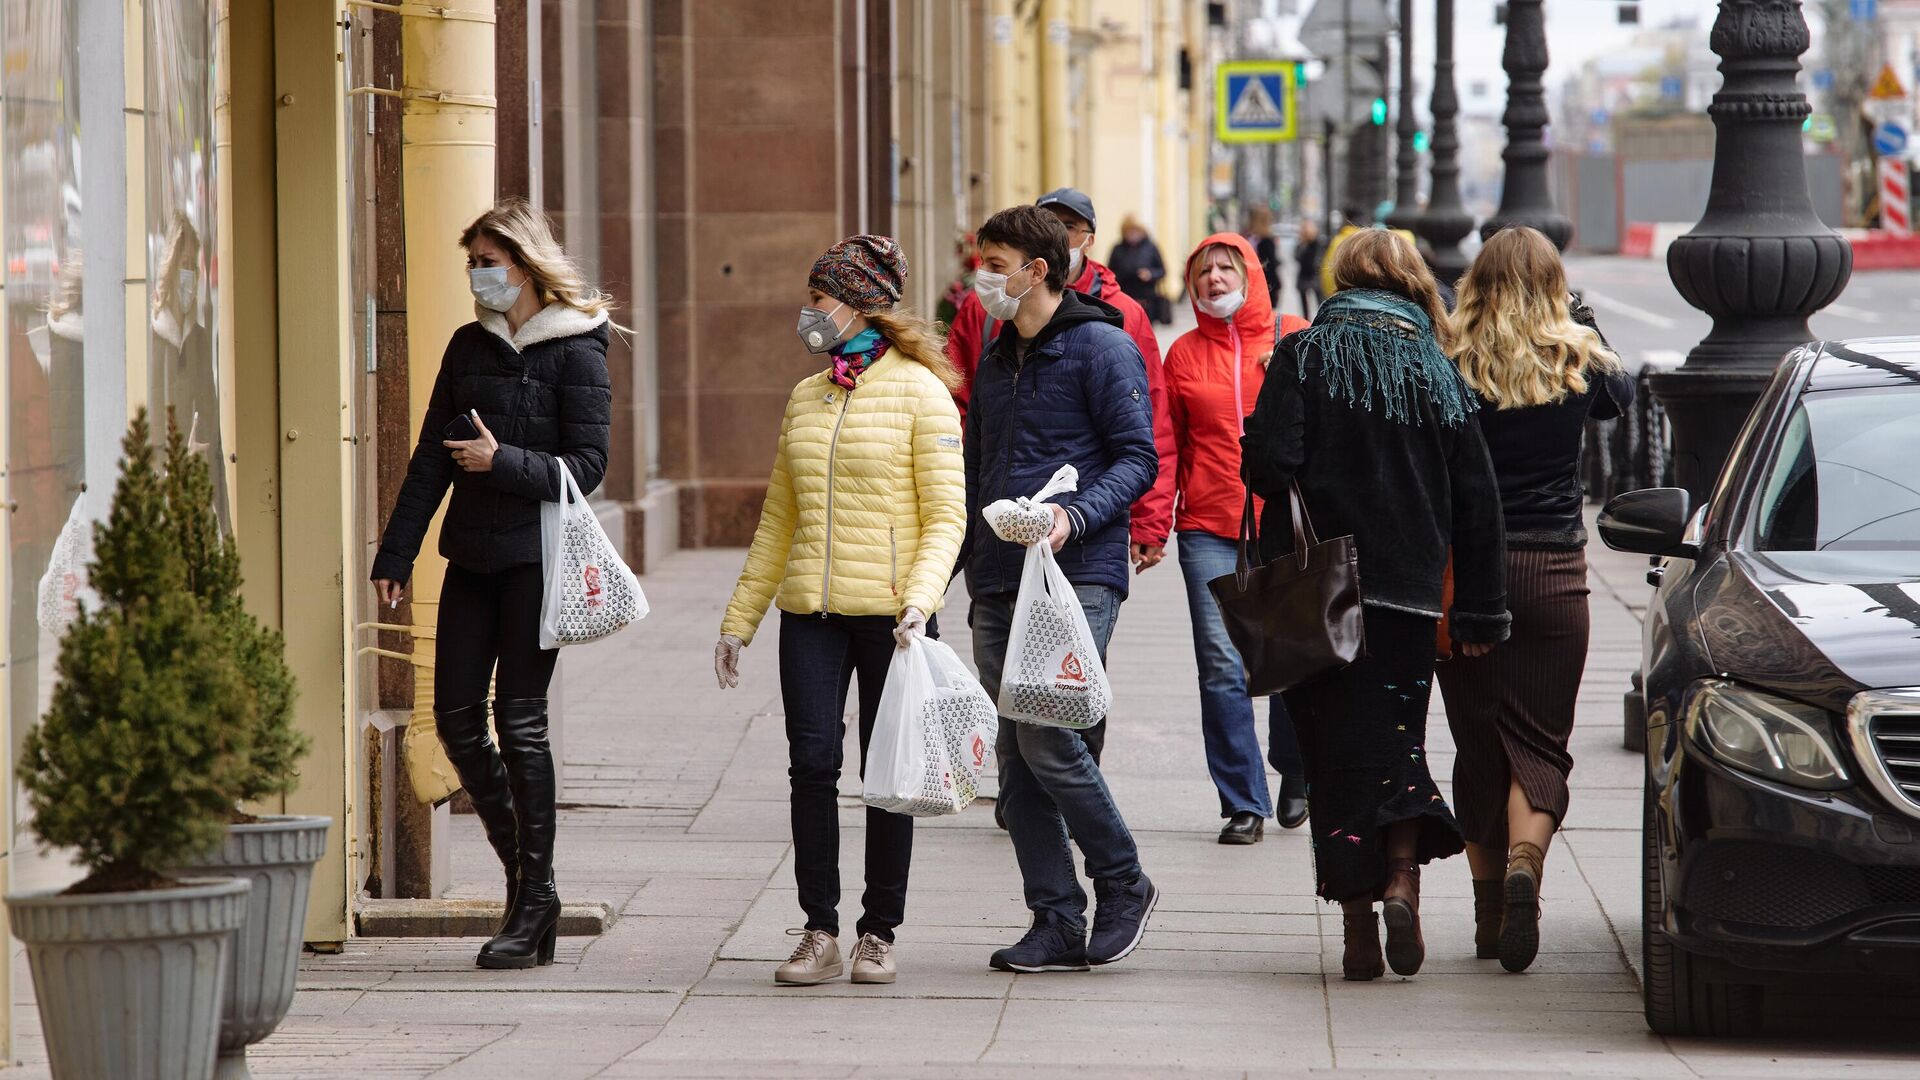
{"points": [[1511, 711]]}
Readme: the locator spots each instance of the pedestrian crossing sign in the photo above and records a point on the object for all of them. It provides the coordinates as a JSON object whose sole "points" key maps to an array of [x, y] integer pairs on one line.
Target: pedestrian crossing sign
{"points": [[1253, 101]]}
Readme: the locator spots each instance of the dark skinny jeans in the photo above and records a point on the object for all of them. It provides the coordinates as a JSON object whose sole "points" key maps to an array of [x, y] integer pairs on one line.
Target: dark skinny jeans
{"points": [[488, 620], [818, 659]]}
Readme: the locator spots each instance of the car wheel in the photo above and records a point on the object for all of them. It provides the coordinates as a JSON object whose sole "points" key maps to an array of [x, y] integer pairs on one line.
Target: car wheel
{"points": [[1633, 713], [1679, 1001]]}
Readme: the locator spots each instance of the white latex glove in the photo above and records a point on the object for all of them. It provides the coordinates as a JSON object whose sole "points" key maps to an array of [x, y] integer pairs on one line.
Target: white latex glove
{"points": [[913, 624], [726, 661]]}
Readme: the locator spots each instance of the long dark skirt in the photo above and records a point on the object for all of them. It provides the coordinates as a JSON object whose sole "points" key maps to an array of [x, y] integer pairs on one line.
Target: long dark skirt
{"points": [[1363, 736], [1511, 711]]}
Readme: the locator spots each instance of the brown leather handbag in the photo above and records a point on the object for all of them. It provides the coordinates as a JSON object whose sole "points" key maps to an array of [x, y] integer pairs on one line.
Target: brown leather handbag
{"points": [[1298, 617]]}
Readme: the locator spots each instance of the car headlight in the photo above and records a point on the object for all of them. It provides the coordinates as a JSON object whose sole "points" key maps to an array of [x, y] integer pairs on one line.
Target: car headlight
{"points": [[1766, 735]]}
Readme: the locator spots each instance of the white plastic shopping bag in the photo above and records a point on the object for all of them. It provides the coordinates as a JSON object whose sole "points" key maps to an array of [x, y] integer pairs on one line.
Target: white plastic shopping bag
{"points": [[1029, 520], [590, 593], [1053, 674], [933, 738], [65, 584]]}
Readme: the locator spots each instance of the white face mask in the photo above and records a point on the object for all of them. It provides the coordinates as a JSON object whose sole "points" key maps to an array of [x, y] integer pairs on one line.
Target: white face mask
{"points": [[1076, 259], [1221, 307], [991, 288], [490, 288]]}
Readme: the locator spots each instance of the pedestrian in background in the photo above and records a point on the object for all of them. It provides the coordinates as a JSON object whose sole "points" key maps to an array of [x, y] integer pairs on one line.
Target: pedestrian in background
{"points": [[1267, 250], [1364, 412], [521, 388], [856, 544], [1540, 375], [1214, 375], [973, 333], [1137, 265], [1062, 384], [1307, 249]]}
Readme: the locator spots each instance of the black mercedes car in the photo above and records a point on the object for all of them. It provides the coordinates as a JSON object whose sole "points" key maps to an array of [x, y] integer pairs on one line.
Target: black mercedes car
{"points": [[1780, 696]]}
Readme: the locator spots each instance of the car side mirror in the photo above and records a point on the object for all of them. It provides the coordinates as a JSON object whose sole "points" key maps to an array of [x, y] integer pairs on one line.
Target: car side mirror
{"points": [[1652, 521]]}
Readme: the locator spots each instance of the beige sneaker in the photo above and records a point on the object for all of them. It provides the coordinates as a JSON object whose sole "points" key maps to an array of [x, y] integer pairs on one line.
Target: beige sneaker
{"points": [[872, 960], [815, 960]]}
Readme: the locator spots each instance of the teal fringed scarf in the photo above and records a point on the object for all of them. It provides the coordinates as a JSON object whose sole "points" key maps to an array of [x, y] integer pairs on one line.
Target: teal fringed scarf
{"points": [[1378, 347]]}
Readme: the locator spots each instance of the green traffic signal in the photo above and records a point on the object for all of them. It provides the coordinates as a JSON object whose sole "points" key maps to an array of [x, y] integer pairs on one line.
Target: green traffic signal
{"points": [[1379, 110], [1421, 141]]}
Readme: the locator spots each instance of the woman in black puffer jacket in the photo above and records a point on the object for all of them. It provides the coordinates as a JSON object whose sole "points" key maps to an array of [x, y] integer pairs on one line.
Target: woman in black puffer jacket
{"points": [[520, 392]]}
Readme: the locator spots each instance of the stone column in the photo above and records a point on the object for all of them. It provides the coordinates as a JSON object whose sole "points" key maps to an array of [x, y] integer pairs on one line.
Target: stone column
{"points": [[1445, 222], [1760, 261], [1524, 197]]}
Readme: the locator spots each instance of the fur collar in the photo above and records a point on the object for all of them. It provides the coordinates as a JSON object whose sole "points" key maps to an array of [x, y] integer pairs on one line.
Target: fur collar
{"points": [[556, 320]]}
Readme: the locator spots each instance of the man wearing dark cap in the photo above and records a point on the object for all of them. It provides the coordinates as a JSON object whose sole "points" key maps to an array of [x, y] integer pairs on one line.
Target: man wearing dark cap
{"points": [[972, 334]]}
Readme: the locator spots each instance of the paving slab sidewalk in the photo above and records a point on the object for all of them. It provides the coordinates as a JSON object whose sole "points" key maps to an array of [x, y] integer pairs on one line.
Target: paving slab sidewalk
{"points": [[677, 820]]}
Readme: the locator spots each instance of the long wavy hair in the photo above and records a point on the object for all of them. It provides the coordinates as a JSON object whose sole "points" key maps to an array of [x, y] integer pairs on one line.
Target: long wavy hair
{"points": [[1514, 337], [526, 235], [913, 337], [1384, 260]]}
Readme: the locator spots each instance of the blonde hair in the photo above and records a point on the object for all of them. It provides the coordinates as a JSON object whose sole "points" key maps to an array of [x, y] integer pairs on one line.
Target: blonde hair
{"points": [[1384, 260], [1515, 339], [1204, 256], [914, 338], [526, 235]]}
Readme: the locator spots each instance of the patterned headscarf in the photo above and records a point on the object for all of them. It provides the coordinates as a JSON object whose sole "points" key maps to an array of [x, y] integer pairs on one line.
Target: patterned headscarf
{"points": [[866, 273]]}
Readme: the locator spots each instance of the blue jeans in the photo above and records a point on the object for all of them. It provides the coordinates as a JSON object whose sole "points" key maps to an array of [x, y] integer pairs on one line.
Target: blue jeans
{"points": [[1049, 784], [1226, 712]]}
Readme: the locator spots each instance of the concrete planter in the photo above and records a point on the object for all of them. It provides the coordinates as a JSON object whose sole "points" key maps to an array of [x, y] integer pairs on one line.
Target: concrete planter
{"points": [[129, 984], [277, 855]]}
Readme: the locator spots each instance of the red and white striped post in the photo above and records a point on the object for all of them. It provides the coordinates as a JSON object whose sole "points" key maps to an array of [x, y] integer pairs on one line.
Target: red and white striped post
{"points": [[1895, 192]]}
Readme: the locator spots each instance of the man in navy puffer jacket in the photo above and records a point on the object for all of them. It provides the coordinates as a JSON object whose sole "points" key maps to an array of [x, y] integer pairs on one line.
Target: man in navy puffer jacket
{"points": [[1063, 384]]}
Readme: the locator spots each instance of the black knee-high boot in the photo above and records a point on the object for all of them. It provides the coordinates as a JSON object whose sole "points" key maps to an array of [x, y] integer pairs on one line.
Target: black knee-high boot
{"points": [[533, 921], [463, 731]]}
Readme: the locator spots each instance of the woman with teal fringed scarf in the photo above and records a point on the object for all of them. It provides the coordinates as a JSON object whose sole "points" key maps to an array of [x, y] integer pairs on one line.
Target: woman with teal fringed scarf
{"points": [[1364, 410]]}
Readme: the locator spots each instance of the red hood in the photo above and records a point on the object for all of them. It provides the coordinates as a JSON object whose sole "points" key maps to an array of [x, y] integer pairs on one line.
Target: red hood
{"points": [[1254, 320], [1089, 269]]}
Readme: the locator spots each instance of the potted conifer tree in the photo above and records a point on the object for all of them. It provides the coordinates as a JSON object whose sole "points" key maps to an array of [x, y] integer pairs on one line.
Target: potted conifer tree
{"points": [[275, 852], [135, 767]]}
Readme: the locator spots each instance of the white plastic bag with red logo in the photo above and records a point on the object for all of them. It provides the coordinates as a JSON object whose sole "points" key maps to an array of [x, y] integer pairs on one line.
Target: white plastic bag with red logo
{"points": [[590, 593], [1053, 674], [933, 737]]}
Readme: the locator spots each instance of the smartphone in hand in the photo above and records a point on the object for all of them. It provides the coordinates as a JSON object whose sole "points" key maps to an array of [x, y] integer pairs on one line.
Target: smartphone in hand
{"points": [[462, 429]]}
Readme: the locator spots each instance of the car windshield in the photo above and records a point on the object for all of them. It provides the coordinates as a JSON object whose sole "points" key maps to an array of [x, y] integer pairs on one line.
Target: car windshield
{"points": [[1843, 477]]}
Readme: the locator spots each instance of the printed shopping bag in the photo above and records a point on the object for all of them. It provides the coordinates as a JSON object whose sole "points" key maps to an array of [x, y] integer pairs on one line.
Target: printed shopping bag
{"points": [[1053, 675], [590, 593], [933, 737]]}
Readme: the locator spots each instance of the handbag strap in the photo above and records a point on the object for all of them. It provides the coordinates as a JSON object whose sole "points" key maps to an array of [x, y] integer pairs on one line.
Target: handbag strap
{"points": [[1304, 538], [1249, 557]]}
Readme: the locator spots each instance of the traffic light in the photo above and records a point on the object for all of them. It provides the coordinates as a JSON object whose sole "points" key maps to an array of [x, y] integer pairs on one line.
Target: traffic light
{"points": [[1420, 142], [1379, 110]]}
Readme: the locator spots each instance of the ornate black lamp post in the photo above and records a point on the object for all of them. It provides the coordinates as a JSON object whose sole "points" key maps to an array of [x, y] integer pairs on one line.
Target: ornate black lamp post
{"points": [[1760, 261], [1406, 162], [1446, 221], [1524, 198]]}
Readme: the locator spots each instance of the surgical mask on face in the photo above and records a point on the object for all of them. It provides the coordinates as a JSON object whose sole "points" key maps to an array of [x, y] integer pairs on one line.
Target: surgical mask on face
{"points": [[490, 288], [1221, 307], [817, 330], [991, 288], [1076, 259]]}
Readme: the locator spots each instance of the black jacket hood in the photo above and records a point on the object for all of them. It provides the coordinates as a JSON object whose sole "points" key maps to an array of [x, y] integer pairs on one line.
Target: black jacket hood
{"points": [[1075, 308]]}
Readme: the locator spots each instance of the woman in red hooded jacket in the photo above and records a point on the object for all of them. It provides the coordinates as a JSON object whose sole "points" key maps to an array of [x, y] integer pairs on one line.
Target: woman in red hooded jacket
{"points": [[1214, 373]]}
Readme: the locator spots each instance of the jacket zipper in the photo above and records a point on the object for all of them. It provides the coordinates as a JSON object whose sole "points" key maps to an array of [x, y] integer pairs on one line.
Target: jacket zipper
{"points": [[833, 448], [1239, 397], [1013, 433], [893, 558]]}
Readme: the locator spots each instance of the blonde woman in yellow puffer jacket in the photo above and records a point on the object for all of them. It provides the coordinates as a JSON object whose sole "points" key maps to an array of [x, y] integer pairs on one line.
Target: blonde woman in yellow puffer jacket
{"points": [[857, 541]]}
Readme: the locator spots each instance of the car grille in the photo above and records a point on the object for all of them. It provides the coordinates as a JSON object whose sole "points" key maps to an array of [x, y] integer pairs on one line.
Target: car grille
{"points": [[1759, 884], [1893, 884], [1885, 729]]}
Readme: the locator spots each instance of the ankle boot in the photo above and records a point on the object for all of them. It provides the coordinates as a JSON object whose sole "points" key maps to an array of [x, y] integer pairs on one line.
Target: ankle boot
{"points": [[1487, 909], [533, 922], [1400, 908], [1291, 810], [1520, 929], [463, 732], [1361, 962]]}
